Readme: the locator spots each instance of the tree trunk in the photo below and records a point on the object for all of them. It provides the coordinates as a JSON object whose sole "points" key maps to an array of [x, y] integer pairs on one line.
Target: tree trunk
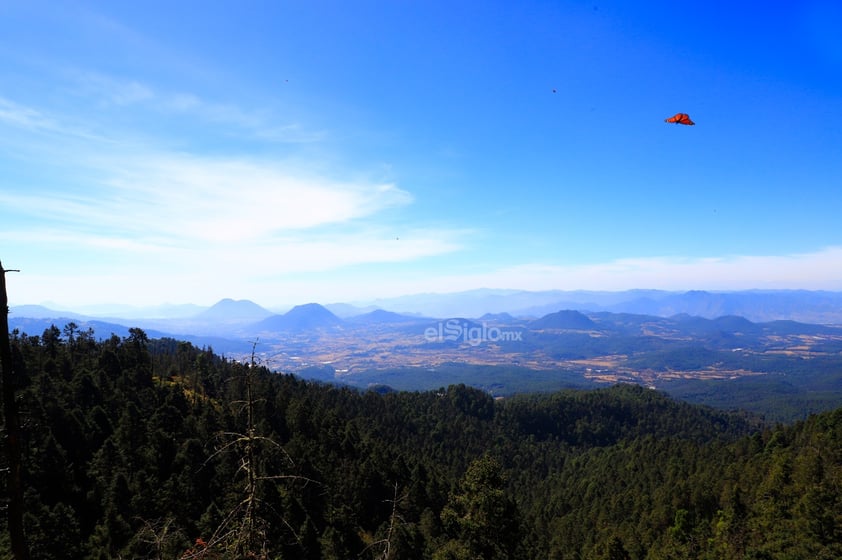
{"points": [[20, 551]]}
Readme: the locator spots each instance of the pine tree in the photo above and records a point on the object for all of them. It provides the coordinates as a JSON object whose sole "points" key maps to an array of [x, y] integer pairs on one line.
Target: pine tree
{"points": [[482, 520]]}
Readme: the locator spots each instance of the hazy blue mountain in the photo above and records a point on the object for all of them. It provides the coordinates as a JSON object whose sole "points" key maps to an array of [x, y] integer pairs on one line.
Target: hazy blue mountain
{"points": [[38, 312], [382, 317], [300, 317], [565, 319], [812, 307], [472, 303], [229, 310], [628, 323], [104, 329], [817, 307], [700, 326], [122, 311], [504, 318], [695, 303], [345, 310]]}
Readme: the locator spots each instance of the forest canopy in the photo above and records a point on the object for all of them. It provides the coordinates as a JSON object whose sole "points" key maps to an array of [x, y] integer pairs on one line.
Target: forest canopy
{"points": [[154, 448]]}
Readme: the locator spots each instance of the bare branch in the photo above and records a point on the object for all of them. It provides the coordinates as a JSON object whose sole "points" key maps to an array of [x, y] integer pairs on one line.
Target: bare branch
{"points": [[244, 530]]}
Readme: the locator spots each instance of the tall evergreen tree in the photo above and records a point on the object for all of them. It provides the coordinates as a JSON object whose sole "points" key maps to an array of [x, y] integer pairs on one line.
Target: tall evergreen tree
{"points": [[482, 520]]}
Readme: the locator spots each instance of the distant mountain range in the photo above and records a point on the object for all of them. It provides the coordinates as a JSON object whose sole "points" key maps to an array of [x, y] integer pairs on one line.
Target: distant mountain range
{"points": [[383, 317], [238, 319], [778, 345], [756, 305], [822, 307]]}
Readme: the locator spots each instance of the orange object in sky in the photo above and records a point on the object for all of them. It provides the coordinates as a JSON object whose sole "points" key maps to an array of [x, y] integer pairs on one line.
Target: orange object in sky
{"points": [[680, 118]]}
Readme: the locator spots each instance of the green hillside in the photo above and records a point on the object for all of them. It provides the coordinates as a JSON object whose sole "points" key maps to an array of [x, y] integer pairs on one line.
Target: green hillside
{"points": [[138, 448]]}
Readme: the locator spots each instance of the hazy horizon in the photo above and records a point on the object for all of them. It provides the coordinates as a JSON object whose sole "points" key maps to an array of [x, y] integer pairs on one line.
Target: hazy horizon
{"points": [[106, 309]]}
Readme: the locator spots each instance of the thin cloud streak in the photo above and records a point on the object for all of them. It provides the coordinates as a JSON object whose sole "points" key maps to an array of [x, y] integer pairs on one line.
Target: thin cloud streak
{"points": [[237, 200], [119, 94], [206, 200], [24, 118], [182, 202]]}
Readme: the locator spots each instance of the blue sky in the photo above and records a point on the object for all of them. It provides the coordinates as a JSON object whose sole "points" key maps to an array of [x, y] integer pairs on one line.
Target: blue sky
{"points": [[288, 152]]}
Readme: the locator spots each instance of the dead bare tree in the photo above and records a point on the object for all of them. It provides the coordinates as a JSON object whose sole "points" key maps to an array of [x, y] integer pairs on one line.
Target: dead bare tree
{"points": [[395, 520], [243, 530], [17, 535], [159, 536]]}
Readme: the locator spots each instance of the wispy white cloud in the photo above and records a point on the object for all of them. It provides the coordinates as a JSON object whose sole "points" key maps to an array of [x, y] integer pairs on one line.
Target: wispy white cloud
{"points": [[205, 199], [262, 123], [128, 188], [154, 223], [31, 120], [123, 93], [22, 116]]}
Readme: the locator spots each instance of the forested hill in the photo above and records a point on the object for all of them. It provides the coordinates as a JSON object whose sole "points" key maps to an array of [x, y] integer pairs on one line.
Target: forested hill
{"points": [[139, 448]]}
